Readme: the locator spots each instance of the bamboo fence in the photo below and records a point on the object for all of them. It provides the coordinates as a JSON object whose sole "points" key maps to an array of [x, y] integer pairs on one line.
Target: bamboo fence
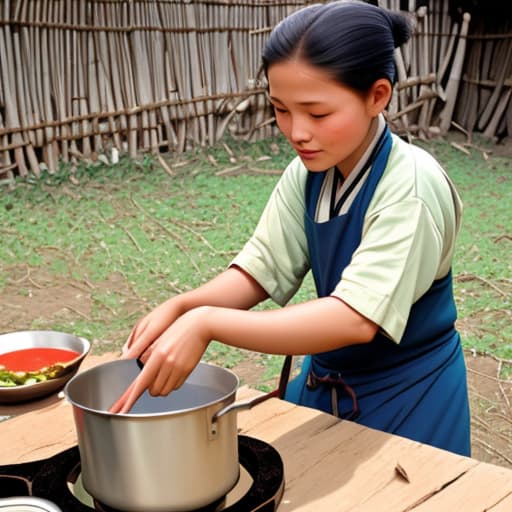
{"points": [[84, 79]]}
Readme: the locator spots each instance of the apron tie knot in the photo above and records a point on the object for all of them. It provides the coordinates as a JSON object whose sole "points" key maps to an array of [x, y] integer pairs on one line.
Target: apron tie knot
{"points": [[336, 383]]}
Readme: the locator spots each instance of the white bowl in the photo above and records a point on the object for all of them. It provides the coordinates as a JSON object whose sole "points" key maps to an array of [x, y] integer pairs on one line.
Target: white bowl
{"points": [[20, 340]]}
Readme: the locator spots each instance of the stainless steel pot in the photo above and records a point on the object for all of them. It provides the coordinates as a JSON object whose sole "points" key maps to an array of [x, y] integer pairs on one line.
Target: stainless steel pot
{"points": [[178, 452]]}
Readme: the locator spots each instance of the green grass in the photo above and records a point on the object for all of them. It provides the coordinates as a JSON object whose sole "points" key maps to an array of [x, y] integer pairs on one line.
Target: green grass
{"points": [[158, 234], [482, 262]]}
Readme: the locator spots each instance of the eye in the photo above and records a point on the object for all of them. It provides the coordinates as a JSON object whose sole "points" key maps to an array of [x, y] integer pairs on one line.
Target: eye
{"points": [[279, 109], [319, 116]]}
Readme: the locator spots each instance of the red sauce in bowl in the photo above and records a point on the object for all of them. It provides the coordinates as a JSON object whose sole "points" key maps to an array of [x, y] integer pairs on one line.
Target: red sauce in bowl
{"points": [[33, 359]]}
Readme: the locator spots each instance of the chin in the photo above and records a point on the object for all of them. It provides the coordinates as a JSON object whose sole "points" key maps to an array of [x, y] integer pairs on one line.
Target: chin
{"points": [[316, 167]]}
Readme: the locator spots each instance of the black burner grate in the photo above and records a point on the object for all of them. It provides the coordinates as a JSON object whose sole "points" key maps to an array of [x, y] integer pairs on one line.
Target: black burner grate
{"points": [[49, 479]]}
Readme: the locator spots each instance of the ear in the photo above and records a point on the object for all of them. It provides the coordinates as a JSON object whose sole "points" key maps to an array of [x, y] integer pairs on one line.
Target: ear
{"points": [[379, 96]]}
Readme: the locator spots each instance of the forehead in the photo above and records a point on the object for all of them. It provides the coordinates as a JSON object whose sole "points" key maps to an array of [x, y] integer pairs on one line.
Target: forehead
{"points": [[297, 81]]}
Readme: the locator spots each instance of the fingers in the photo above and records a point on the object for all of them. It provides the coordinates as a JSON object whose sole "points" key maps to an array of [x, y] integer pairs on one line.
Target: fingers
{"points": [[144, 357], [127, 400], [159, 385], [138, 341], [132, 336], [168, 381]]}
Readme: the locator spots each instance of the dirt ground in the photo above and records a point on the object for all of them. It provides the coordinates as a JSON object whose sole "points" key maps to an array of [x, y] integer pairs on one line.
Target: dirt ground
{"points": [[46, 300]]}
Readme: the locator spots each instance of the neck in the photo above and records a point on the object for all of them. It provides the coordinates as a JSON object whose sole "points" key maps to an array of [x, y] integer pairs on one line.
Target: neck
{"points": [[351, 161]]}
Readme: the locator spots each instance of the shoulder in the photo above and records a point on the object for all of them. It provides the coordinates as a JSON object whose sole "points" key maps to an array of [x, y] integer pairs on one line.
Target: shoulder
{"points": [[412, 167], [413, 174]]}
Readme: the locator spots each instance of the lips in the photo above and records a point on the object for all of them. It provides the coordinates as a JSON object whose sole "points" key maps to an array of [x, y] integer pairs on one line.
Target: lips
{"points": [[307, 154]]}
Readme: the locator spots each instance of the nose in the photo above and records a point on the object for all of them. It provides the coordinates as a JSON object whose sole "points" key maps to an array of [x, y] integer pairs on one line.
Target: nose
{"points": [[299, 130]]}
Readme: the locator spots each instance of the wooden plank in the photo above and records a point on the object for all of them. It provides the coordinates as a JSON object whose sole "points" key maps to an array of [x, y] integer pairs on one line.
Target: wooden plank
{"points": [[361, 462], [50, 431], [505, 505], [276, 421], [361, 465], [427, 469], [482, 487]]}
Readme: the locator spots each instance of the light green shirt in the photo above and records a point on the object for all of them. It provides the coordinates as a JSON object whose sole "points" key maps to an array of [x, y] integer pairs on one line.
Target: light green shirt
{"points": [[408, 239]]}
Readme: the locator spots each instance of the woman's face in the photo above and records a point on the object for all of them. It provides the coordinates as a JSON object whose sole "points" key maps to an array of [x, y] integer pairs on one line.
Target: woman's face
{"points": [[327, 123]]}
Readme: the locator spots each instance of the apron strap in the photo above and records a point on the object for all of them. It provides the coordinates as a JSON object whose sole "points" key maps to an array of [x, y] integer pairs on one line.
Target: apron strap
{"points": [[283, 379], [335, 384]]}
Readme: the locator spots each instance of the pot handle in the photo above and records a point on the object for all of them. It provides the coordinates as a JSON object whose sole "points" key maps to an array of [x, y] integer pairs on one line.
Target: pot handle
{"points": [[248, 404], [242, 405]]}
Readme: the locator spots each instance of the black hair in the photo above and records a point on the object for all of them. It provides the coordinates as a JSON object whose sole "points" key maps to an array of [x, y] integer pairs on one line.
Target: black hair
{"points": [[353, 40]]}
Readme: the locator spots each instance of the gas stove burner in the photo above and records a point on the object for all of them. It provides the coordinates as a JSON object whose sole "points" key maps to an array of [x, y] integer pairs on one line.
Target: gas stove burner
{"points": [[214, 507], [48, 479]]}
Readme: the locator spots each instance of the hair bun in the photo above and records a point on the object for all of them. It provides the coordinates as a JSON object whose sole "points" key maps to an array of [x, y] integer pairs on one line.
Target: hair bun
{"points": [[401, 27]]}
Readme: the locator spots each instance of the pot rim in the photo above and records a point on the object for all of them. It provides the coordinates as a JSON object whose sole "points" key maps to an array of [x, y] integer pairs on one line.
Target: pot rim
{"points": [[163, 414]]}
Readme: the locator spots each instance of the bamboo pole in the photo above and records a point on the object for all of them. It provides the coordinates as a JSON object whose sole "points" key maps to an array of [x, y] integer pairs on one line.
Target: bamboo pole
{"points": [[29, 76], [164, 89], [423, 68], [402, 93], [105, 73], [212, 68], [8, 68], [195, 73], [6, 165], [508, 117], [22, 107], [49, 148], [140, 71], [56, 46], [81, 78], [110, 56], [504, 57], [207, 72], [486, 71], [493, 126], [128, 82], [153, 47], [455, 73], [182, 113]]}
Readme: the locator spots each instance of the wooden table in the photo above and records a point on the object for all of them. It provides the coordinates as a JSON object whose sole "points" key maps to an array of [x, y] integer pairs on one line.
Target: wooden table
{"points": [[329, 464]]}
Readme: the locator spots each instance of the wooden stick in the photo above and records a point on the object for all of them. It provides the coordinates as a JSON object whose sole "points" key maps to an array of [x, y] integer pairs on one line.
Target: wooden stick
{"points": [[492, 127], [455, 73], [402, 78], [129, 83], [505, 56], [413, 106], [22, 108], [423, 118], [508, 117], [448, 55], [468, 105], [7, 67]]}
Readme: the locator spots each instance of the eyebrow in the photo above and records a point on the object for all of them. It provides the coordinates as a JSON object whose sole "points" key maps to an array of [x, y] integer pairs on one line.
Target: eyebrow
{"points": [[305, 103]]}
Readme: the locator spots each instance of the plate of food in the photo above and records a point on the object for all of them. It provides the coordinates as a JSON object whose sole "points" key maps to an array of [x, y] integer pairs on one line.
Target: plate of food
{"points": [[34, 364]]}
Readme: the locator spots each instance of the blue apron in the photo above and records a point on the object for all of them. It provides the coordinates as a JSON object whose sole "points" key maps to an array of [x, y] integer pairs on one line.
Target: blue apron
{"points": [[416, 389]]}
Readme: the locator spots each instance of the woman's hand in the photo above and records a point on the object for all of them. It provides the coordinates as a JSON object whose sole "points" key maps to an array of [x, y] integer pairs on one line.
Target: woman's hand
{"points": [[172, 356], [149, 328]]}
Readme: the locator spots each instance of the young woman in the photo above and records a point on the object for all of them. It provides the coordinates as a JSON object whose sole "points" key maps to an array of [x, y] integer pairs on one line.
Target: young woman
{"points": [[373, 217]]}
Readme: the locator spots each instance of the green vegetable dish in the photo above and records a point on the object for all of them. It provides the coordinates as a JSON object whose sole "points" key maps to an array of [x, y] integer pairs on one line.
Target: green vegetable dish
{"points": [[9, 378]]}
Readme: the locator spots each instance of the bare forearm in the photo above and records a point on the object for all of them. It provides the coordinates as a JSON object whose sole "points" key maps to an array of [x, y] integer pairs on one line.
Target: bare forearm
{"points": [[231, 289], [312, 327]]}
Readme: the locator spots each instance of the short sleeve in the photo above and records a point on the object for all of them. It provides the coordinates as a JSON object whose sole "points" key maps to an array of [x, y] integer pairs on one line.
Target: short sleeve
{"points": [[408, 240]]}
